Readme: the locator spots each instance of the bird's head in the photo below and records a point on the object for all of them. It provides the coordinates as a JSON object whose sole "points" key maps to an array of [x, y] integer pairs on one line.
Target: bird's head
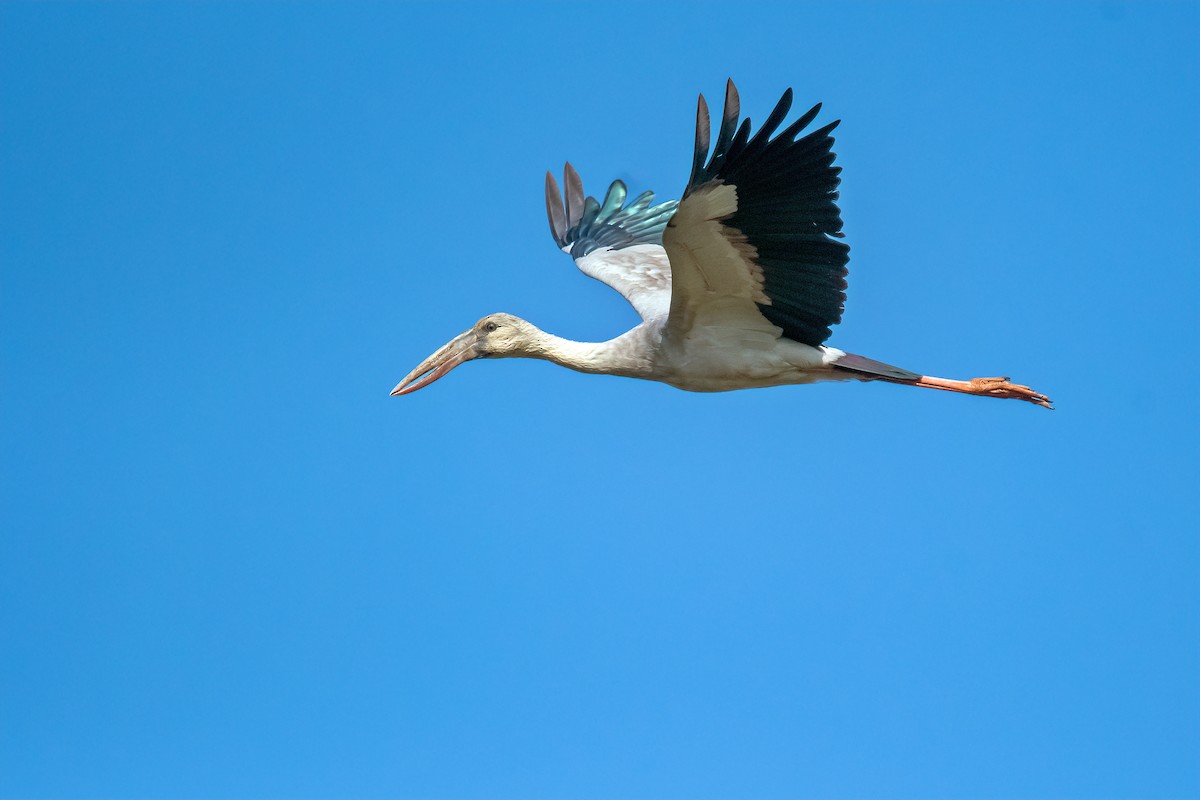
{"points": [[494, 336]]}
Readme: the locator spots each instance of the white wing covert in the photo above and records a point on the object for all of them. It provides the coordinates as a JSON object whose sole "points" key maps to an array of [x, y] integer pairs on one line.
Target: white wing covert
{"points": [[617, 244]]}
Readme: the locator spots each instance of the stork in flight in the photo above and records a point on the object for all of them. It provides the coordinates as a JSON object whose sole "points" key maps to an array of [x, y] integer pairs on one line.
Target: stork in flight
{"points": [[737, 284]]}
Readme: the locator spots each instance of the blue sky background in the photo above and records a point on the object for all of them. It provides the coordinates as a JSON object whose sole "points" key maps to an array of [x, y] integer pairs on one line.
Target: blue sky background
{"points": [[231, 566]]}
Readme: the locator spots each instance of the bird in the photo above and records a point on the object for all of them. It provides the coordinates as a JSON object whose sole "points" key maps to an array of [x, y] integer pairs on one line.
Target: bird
{"points": [[738, 283]]}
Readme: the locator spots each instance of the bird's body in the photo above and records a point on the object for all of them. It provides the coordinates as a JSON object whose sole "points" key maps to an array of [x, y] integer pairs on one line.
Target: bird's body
{"points": [[737, 284]]}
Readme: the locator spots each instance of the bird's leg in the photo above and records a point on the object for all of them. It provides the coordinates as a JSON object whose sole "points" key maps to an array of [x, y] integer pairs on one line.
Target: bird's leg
{"points": [[871, 370], [983, 387]]}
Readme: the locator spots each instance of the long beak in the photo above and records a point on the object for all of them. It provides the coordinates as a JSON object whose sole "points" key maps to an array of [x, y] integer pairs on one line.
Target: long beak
{"points": [[457, 351]]}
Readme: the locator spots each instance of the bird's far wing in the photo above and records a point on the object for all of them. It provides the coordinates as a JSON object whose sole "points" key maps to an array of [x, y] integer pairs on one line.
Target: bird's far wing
{"points": [[618, 244], [751, 241]]}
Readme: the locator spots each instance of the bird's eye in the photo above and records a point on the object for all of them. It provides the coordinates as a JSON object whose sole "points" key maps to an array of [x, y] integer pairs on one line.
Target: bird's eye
{"points": [[489, 327]]}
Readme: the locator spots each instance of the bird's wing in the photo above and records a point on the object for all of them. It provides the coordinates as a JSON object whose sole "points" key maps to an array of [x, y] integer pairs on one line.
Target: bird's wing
{"points": [[615, 243], [750, 244]]}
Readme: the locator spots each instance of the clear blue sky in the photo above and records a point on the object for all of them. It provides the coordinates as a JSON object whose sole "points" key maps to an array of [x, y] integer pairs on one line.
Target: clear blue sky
{"points": [[232, 567]]}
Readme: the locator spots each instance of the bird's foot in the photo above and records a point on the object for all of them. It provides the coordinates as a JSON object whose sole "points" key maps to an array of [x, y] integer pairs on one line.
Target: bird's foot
{"points": [[1002, 387]]}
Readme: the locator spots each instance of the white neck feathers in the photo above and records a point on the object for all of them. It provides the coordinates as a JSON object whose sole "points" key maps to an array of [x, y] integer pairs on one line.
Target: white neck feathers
{"points": [[625, 355]]}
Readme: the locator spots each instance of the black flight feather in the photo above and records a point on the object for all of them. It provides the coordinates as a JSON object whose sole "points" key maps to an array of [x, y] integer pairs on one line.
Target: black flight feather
{"points": [[786, 210]]}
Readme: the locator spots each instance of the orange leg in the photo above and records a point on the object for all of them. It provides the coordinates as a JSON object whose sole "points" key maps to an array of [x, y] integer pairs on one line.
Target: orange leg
{"points": [[983, 387], [871, 370]]}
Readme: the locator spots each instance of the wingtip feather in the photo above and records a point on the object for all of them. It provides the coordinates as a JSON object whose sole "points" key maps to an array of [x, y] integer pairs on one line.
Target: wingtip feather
{"points": [[733, 101], [555, 210], [702, 139], [574, 188]]}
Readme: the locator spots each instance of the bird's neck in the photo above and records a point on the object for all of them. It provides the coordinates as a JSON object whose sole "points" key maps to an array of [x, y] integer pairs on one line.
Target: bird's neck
{"points": [[623, 355]]}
